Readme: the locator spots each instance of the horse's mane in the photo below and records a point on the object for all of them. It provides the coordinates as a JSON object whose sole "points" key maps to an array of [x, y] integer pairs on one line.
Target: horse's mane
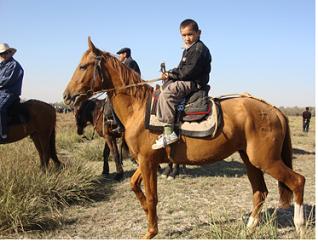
{"points": [[128, 77]]}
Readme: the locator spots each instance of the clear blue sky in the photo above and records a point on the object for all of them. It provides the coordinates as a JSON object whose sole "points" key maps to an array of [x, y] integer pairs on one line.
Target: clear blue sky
{"points": [[264, 47]]}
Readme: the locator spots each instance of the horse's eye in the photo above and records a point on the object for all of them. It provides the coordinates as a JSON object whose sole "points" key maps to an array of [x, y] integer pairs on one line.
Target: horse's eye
{"points": [[82, 67]]}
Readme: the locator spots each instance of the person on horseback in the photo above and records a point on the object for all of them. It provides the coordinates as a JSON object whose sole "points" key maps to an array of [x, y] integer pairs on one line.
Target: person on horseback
{"points": [[125, 58], [191, 75], [11, 75]]}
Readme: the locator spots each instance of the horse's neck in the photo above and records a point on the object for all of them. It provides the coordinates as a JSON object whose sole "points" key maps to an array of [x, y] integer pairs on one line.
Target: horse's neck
{"points": [[124, 102], [127, 107]]}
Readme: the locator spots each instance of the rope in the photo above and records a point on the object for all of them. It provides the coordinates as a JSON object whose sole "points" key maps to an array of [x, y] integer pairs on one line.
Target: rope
{"points": [[101, 92], [131, 85]]}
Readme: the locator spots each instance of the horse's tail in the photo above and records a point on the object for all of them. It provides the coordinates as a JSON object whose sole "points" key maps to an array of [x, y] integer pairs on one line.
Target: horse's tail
{"points": [[285, 193]]}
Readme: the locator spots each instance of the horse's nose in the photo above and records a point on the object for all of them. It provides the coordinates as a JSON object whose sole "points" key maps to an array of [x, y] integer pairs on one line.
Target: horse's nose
{"points": [[66, 97]]}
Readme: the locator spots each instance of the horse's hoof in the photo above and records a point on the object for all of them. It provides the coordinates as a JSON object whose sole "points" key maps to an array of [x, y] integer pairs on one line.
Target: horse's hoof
{"points": [[300, 230], [170, 178], [252, 222], [163, 176], [119, 176], [60, 167], [150, 235]]}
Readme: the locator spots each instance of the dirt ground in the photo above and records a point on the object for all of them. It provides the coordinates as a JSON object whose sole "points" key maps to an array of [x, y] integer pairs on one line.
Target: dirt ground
{"points": [[188, 204]]}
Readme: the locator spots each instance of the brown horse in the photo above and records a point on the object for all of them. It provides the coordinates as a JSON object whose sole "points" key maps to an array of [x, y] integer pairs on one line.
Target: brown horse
{"points": [[95, 111], [257, 130], [38, 121]]}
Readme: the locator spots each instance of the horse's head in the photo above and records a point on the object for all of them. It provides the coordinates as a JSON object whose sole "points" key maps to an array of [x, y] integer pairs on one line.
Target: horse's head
{"points": [[87, 77], [84, 115]]}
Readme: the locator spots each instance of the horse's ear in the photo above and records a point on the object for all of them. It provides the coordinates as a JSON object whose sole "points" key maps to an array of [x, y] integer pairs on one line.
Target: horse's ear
{"points": [[92, 46]]}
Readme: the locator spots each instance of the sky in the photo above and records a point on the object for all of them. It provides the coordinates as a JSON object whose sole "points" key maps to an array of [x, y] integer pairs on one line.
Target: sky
{"points": [[263, 47]]}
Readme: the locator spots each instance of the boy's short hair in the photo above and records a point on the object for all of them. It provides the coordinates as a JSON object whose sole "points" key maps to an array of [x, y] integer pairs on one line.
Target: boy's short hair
{"points": [[189, 22]]}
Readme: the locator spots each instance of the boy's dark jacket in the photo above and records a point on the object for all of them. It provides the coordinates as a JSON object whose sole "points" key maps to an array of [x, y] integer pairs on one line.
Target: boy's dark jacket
{"points": [[195, 65]]}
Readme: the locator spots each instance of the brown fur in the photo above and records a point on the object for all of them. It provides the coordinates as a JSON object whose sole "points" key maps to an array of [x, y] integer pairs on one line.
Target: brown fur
{"points": [[41, 128], [254, 128]]}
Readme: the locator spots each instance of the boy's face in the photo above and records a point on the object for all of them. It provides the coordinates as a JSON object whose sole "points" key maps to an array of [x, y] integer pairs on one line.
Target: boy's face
{"points": [[189, 36]]}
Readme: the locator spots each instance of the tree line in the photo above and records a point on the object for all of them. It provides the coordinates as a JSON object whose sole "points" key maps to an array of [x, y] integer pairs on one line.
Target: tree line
{"points": [[296, 111]]}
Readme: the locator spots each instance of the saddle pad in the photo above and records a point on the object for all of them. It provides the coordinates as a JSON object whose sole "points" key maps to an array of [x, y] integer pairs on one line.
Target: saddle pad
{"points": [[204, 128]]}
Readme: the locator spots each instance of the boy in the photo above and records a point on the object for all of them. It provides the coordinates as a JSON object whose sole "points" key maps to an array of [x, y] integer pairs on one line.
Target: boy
{"points": [[191, 75]]}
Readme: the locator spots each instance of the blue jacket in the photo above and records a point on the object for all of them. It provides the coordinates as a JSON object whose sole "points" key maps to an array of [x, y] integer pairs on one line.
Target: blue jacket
{"points": [[11, 75]]}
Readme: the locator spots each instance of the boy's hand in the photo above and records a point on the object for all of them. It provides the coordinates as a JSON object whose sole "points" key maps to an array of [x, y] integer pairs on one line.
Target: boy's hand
{"points": [[164, 76]]}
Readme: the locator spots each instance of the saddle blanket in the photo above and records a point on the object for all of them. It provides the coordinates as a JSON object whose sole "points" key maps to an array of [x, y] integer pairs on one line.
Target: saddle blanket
{"points": [[202, 128]]}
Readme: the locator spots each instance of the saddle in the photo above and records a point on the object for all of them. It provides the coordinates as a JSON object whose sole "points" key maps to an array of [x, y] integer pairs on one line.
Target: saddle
{"points": [[18, 113], [197, 115]]}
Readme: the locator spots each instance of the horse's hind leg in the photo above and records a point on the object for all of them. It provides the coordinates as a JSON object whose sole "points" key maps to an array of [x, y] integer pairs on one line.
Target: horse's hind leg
{"points": [[42, 150], [53, 154], [175, 172], [256, 178], [295, 182], [167, 170]]}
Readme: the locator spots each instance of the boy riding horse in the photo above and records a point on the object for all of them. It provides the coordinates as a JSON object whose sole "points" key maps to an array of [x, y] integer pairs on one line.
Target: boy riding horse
{"points": [[191, 75]]}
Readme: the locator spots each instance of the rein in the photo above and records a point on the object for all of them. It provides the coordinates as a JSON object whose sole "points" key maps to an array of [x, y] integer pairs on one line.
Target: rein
{"points": [[131, 85], [98, 70]]}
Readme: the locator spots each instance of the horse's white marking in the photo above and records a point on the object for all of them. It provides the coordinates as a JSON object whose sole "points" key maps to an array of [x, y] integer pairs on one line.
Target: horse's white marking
{"points": [[252, 222], [299, 220]]}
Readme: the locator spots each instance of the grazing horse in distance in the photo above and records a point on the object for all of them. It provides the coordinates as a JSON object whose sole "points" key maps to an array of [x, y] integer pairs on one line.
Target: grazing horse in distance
{"points": [[95, 111], [36, 119], [257, 130]]}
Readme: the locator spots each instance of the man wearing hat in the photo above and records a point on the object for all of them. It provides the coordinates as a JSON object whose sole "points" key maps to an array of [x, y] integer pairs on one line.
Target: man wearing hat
{"points": [[11, 75], [125, 57]]}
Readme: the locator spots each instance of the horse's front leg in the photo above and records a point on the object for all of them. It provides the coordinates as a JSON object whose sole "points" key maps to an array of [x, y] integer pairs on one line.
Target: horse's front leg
{"points": [[135, 183], [111, 141], [105, 157], [149, 174]]}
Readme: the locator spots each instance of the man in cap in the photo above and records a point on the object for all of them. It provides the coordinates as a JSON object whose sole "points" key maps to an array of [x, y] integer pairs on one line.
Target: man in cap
{"points": [[11, 75], [125, 57]]}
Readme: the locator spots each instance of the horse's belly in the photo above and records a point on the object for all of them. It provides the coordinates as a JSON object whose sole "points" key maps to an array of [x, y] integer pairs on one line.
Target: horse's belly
{"points": [[198, 152]]}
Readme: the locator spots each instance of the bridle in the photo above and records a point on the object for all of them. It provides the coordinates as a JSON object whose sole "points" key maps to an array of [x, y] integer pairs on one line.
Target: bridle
{"points": [[98, 71]]}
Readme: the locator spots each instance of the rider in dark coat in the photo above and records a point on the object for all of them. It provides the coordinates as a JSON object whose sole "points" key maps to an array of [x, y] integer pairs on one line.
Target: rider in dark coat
{"points": [[11, 75], [125, 58]]}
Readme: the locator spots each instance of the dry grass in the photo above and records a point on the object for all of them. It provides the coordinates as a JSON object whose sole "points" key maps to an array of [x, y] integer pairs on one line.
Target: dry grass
{"points": [[209, 202]]}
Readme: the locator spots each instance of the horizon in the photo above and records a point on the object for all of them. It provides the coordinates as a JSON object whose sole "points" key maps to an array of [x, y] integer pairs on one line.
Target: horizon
{"points": [[264, 48]]}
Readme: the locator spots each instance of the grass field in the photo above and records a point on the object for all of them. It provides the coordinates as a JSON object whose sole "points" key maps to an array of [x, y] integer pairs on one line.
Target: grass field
{"points": [[208, 202]]}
